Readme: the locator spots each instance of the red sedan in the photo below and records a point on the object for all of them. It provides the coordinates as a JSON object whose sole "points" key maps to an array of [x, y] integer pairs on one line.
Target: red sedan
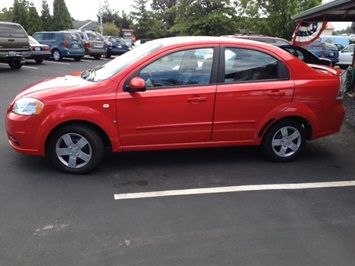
{"points": [[181, 92]]}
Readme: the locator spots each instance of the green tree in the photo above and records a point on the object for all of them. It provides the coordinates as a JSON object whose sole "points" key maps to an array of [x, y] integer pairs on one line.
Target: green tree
{"points": [[145, 23], [20, 13], [204, 17], [111, 29], [61, 16], [35, 23], [126, 21], [163, 11], [6, 14], [46, 17], [109, 15], [272, 17]]}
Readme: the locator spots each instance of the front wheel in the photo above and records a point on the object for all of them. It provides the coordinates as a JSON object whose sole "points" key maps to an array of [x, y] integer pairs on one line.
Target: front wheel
{"points": [[284, 141], [75, 149]]}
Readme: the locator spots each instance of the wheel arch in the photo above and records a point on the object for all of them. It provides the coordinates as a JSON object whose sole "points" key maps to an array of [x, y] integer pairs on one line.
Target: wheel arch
{"points": [[98, 129], [301, 120]]}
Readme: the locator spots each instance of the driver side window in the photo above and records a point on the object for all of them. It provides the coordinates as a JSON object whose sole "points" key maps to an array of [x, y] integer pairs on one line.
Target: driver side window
{"points": [[183, 68]]}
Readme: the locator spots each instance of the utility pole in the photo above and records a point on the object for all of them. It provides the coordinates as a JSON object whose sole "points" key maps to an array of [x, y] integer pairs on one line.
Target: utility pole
{"points": [[100, 16]]}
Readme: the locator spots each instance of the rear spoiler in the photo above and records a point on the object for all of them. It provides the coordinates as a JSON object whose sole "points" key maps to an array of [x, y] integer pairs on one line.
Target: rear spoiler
{"points": [[328, 69]]}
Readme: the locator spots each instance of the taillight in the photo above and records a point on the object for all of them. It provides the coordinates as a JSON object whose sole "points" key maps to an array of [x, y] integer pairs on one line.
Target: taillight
{"points": [[341, 91], [65, 44], [87, 45], [46, 48]]}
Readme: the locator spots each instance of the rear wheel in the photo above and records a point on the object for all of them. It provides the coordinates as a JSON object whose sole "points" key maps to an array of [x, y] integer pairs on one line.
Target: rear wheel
{"points": [[75, 149], [284, 141], [15, 64], [97, 57], [57, 55]]}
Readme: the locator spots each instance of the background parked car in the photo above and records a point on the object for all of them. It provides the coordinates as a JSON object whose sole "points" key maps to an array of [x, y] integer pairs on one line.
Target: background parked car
{"points": [[39, 52], [94, 43], [300, 52], [305, 55], [115, 46], [14, 44], [62, 44], [346, 56], [140, 42], [324, 50]]}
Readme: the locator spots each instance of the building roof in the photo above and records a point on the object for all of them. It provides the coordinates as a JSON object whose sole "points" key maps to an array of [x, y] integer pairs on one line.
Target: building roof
{"points": [[85, 25]]}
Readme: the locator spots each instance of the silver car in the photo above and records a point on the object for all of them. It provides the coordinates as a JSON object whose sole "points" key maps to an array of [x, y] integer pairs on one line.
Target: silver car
{"points": [[346, 56], [94, 43]]}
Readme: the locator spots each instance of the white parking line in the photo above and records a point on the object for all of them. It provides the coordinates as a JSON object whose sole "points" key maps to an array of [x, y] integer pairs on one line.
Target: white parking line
{"points": [[29, 67], [58, 63], [168, 193]]}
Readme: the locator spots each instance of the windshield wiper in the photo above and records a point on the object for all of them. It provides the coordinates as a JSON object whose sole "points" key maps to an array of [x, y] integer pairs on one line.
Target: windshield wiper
{"points": [[90, 73]]}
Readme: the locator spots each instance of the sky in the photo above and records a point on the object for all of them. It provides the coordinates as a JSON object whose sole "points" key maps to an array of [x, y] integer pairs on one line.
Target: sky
{"points": [[82, 10]]}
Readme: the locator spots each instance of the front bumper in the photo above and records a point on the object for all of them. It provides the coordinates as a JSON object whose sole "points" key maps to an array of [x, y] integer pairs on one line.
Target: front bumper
{"points": [[22, 133]]}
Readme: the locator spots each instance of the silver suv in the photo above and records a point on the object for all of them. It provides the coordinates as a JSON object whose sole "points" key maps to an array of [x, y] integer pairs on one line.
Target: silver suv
{"points": [[14, 44], [94, 43]]}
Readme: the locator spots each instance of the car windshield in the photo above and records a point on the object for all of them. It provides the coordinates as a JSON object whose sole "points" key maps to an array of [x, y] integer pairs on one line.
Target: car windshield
{"points": [[119, 40], [110, 69]]}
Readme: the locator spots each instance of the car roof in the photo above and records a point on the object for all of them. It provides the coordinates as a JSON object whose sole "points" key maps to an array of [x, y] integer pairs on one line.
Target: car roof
{"points": [[171, 41]]}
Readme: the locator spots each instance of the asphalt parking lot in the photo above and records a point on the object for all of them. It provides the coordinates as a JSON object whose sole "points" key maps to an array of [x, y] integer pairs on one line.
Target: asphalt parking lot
{"points": [[222, 206]]}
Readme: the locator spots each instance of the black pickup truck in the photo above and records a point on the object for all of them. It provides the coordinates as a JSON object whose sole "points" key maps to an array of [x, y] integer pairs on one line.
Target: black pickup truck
{"points": [[14, 44]]}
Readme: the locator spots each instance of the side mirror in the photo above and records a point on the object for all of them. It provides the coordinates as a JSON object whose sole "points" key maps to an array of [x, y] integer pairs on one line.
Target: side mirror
{"points": [[136, 84]]}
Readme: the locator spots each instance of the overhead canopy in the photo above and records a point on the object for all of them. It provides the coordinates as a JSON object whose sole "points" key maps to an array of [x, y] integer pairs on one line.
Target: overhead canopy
{"points": [[339, 10]]}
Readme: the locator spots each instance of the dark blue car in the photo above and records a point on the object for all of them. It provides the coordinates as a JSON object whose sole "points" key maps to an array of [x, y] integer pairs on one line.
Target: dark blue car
{"points": [[324, 50], [115, 46]]}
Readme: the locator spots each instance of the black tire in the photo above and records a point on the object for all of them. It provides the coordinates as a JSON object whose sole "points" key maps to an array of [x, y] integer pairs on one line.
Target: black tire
{"points": [[75, 149], [39, 61], [284, 141], [97, 57], [57, 55], [15, 64]]}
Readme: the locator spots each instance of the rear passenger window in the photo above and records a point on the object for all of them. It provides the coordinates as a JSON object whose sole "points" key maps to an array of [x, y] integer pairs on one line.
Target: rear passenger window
{"points": [[48, 36], [246, 65]]}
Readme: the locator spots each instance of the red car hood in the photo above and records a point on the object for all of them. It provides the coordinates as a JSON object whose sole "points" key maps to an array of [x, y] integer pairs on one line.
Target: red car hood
{"points": [[56, 87]]}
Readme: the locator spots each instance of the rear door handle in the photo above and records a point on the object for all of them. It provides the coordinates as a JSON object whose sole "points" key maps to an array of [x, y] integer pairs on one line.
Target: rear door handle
{"points": [[196, 99], [276, 93]]}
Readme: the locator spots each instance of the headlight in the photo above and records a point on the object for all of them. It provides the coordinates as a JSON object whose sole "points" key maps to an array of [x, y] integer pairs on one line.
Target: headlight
{"points": [[27, 106]]}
